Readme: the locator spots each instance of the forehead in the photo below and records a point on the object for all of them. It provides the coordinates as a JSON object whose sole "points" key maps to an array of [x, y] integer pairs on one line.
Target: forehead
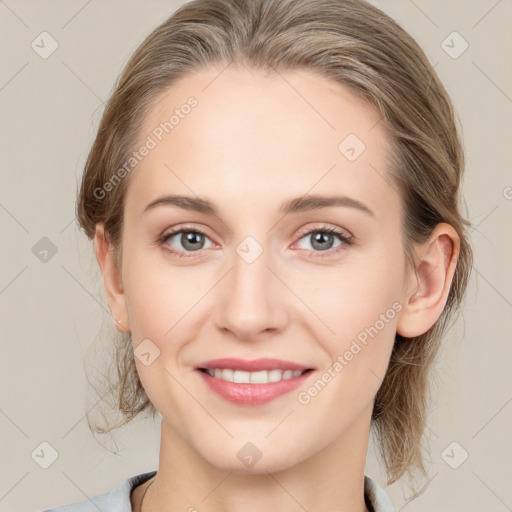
{"points": [[255, 139]]}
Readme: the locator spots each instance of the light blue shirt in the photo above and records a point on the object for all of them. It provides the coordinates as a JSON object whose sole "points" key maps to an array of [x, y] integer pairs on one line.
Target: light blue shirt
{"points": [[118, 499]]}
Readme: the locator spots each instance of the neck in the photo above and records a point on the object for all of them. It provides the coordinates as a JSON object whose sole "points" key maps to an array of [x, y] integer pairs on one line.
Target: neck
{"points": [[332, 479]]}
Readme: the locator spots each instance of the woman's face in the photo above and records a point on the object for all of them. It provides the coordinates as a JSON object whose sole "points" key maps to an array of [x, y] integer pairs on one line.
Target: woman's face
{"points": [[260, 277]]}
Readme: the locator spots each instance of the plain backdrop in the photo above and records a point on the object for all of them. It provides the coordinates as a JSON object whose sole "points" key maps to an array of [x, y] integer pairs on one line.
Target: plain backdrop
{"points": [[51, 302]]}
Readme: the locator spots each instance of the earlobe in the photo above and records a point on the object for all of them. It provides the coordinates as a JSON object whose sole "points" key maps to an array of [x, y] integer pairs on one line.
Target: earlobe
{"points": [[432, 278], [111, 279]]}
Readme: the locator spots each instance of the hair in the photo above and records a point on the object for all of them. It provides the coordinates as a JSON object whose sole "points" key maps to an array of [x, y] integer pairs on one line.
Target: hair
{"points": [[357, 45]]}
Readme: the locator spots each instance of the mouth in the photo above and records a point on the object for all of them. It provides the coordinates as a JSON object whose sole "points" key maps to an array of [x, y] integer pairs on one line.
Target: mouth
{"points": [[259, 377], [251, 383]]}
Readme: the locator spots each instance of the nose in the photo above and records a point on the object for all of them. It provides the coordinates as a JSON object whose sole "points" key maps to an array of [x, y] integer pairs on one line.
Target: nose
{"points": [[251, 302]]}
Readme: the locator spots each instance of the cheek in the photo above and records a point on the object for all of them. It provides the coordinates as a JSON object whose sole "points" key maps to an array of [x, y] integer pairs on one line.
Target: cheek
{"points": [[363, 317], [158, 293], [167, 304], [160, 304], [359, 306], [354, 295]]}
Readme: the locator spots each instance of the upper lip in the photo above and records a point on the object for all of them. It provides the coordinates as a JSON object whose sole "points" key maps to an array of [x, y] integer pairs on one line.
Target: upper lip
{"points": [[251, 365]]}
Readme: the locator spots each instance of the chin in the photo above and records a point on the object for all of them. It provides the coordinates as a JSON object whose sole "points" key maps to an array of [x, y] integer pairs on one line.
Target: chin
{"points": [[250, 458]]}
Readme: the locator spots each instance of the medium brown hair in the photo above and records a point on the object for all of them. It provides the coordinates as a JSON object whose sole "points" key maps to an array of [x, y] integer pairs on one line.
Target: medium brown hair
{"points": [[357, 45]]}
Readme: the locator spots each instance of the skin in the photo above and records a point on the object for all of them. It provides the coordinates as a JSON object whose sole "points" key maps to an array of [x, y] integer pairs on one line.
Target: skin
{"points": [[254, 141]]}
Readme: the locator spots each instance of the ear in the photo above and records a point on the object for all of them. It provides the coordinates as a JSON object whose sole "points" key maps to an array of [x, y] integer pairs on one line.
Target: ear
{"points": [[111, 279], [428, 284]]}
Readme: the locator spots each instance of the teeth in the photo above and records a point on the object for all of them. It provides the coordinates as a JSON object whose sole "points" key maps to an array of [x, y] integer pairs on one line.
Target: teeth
{"points": [[262, 377]]}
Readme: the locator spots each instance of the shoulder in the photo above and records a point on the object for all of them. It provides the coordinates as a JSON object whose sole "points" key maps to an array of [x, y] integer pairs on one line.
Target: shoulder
{"points": [[377, 497], [116, 500]]}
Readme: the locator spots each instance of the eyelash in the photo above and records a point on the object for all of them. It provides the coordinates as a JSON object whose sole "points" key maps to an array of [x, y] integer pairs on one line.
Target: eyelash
{"points": [[347, 241]]}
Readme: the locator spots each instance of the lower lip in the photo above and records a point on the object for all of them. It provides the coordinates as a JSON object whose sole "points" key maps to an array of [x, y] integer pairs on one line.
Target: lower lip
{"points": [[252, 394]]}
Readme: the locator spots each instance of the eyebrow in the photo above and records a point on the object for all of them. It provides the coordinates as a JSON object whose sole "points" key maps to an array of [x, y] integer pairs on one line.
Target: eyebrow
{"points": [[296, 205]]}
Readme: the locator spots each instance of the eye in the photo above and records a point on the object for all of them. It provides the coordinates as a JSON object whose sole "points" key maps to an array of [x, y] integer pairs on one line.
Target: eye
{"points": [[321, 240], [191, 240]]}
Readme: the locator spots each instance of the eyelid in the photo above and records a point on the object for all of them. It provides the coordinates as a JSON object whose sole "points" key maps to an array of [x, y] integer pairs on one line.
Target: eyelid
{"points": [[174, 230], [324, 226]]}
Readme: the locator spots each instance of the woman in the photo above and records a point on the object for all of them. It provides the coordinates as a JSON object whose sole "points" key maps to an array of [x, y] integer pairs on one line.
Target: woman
{"points": [[260, 131]]}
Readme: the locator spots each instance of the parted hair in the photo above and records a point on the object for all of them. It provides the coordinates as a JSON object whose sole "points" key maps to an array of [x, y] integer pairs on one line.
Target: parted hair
{"points": [[360, 47]]}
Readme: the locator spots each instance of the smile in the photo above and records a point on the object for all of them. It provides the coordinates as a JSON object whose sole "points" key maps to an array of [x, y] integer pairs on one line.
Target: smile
{"points": [[245, 388], [244, 377]]}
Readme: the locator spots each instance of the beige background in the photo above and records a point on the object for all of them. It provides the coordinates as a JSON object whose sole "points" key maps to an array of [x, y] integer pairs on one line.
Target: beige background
{"points": [[50, 311]]}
